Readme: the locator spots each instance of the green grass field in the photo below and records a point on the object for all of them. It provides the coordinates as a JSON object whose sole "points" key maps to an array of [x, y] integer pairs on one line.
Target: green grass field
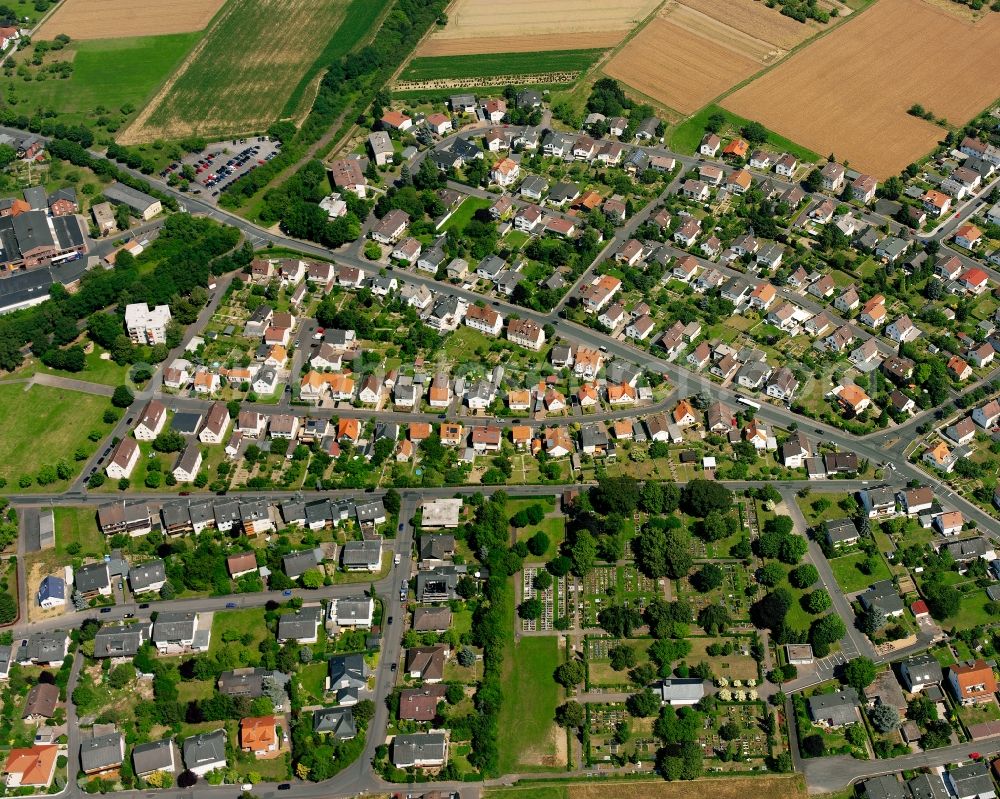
{"points": [[464, 213], [43, 426], [358, 21], [109, 73], [850, 578], [530, 699], [686, 136], [487, 65], [249, 67]]}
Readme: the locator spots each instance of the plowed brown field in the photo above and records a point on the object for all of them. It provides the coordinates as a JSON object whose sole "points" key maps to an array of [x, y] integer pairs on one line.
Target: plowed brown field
{"points": [[111, 19], [677, 67], [695, 50], [848, 92], [485, 26]]}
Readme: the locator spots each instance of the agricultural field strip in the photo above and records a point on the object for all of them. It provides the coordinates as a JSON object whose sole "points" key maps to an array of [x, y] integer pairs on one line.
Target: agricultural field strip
{"points": [[108, 19]]}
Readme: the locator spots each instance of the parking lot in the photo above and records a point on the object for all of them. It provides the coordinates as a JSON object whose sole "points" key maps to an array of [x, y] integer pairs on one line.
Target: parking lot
{"points": [[220, 163]]}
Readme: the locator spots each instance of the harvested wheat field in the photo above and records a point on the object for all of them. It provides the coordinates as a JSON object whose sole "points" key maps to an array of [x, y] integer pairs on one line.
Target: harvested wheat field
{"points": [[533, 26], [757, 20], [677, 67], [848, 92], [694, 51], [111, 19], [239, 76]]}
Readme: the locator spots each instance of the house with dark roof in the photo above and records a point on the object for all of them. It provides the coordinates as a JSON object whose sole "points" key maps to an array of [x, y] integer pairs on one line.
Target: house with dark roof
{"points": [[420, 750], [420, 704], [835, 710], [301, 626], [93, 580], [882, 599], [154, 756], [298, 563], [148, 576], [120, 641], [427, 662], [102, 753], [205, 752], [347, 671], [41, 703], [337, 722]]}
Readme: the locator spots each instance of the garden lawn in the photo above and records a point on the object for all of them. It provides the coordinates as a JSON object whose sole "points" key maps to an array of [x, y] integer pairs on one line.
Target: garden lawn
{"points": [[464, 213], [312, 680], [554, 527], [850, 578], [78, 526], [972, 612], [110, 73], [98, 370], [43, 426], [529, 704], [233, 624]]}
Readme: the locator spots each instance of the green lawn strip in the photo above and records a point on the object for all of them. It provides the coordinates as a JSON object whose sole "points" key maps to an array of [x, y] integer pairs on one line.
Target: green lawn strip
{"points": [[850, 578], [97, 370], [554, 527], [686, 136], [489, 64], [530, 699], [43, 426], [192, 690], [814, 515], [464, 213], [110, 73], [358, 21]]}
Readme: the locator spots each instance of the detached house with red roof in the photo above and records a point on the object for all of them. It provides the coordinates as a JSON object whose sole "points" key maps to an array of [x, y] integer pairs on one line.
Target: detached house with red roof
{"points": [[974, 280], [972, 682], [968, 236]]}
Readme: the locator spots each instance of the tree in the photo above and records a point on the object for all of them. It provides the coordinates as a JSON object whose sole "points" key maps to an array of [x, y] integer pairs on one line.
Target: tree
{"points": [[818, 601], [792, 549], [803, 576], [570, 673], [771, 574], [824, 632], [714, 527], [701, 497], [121, 675], [530, 609], [714, 619], [884, 718], [619, 620], [123, 397], [570, 714], [663, 553], [538, 544], [754, 132], [813, 181], [859, 673], [813, 745], [708, 577], [943, 600], [312, 578], [730, 731], [622, 657], [643, 704], [542, 581], [466, 657]]}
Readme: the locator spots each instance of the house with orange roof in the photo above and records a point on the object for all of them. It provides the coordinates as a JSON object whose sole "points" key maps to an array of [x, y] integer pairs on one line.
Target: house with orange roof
{"points": [[622, 430], [968, 236], [206, 382], [277, 356], [405, 450], [737, 148], [420, 431], [520, 434], [599, 293], [974, 280], [519, 399], [588, 362], [958, 368], [936, 202], [348, 430], [739, 182], [873, 312], [258, 735], [397, 120], [505, 172], [32, 766], [972, 682], [558, 443], [940, 457], [622, 394], [587, 396], [762, 296], [452, 434], [440, 395], [852, 398], [684, 415], [555, 401]]}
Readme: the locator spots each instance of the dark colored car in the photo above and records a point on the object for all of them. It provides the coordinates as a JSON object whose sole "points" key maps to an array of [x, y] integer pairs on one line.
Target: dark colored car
{"points": [[284, 786], [287, 592], [230, 604], [105, 610], [143, 606], [392, 667]]}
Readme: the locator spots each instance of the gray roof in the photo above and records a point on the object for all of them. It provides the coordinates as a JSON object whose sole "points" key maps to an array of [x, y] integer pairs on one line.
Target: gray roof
{"points": [[133, 198], [146, 574], [248, 682], [682, 689], [174, 626], [153, 756], [882, 598], [120, 640], [436, 547], [186, 422], [838, 708], [52, 587], [348, 671], [922, 668], [840, 530], [407, 749], [354, 607], [102, 752], [430, 619], [337, 721], [971, 779], [439, 583], [370, 511], [362, 553], [885, 787], [927, 786], [43, 647], [208, 747], [293, 511], [301, 624], [969, 549], [36, 197], [92, 577], [298, 563]]}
